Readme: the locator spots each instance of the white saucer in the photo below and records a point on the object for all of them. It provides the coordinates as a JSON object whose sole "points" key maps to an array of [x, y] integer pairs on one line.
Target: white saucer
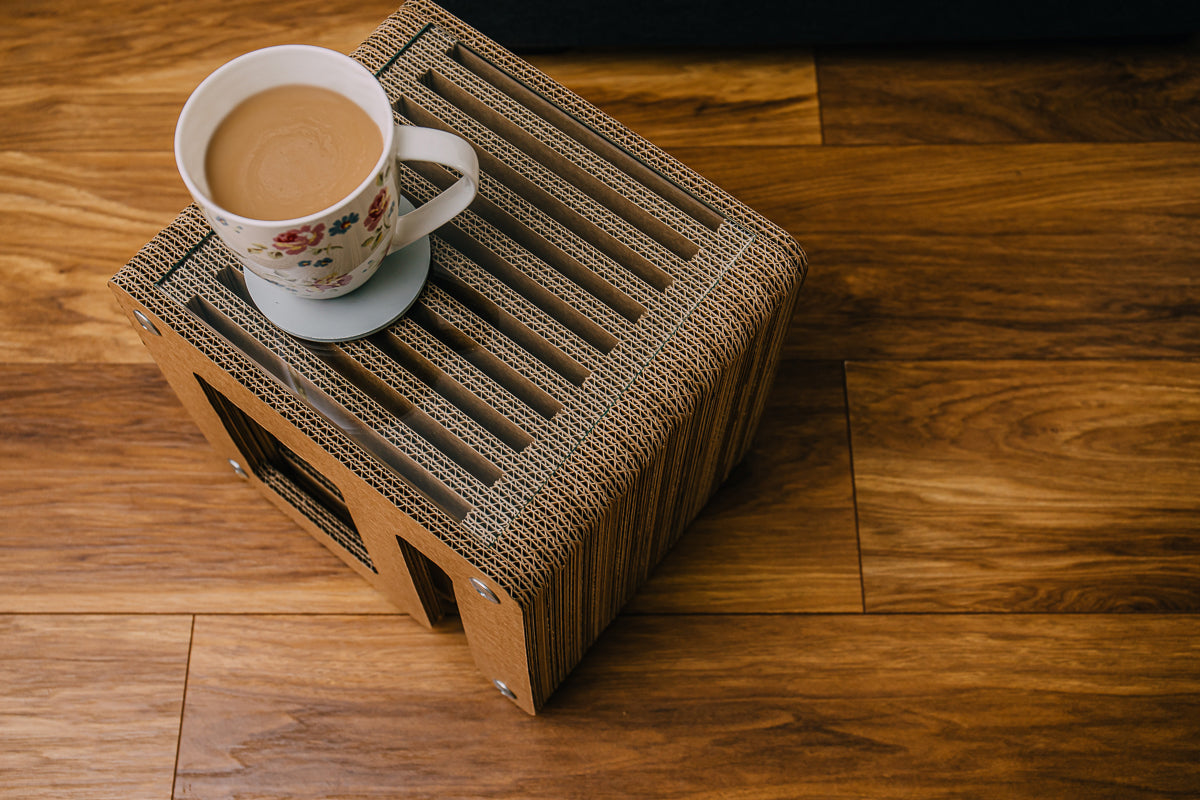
{"points": [[373, 306]]}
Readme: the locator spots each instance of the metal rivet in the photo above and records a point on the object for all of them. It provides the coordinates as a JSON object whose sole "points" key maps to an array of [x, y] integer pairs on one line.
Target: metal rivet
{"points": [[504, 690], [484, 591], [238, 469], [145, 322]]}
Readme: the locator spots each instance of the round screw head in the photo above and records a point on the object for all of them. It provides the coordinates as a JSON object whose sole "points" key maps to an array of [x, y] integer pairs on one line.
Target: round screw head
{"points": [[482, 589], [145, 322]]}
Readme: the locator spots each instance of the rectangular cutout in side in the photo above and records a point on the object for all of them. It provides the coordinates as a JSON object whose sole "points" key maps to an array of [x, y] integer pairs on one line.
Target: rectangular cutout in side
{"points": [[289, 475]]}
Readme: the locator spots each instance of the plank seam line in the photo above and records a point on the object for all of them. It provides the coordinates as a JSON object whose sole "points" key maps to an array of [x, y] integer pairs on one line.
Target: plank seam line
{"points": [[862, 577], [187, 674]]}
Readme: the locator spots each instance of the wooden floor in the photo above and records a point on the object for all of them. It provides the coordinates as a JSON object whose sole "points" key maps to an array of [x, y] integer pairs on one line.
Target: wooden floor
{"points": [[961, 561]]}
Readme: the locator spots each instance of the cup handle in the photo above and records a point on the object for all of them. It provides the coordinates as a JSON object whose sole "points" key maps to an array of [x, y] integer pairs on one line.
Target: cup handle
{"points": [[428, 144]]}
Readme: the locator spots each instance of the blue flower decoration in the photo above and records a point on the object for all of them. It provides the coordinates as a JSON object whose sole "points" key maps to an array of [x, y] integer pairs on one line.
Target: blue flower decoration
{"points": [[322, 262], [343, 224]]}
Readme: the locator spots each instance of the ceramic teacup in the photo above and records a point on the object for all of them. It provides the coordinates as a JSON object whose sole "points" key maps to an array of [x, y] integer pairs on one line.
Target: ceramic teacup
{"points": [[335, 250]]}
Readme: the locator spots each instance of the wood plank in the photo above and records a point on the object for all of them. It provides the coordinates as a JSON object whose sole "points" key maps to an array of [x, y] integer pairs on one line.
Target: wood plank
{"points": [[703, 707], [1045, 92], [1000, 252], [126, 77], [691, 98], [115, 503], [1032, 486], [98, 209], [77, 76], [1008, 251], [780, 535], [91, 705], [152, 521], [71, 221]]}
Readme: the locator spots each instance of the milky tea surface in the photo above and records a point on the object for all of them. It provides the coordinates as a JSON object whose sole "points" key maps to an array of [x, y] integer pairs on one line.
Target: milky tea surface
{"points": [[290, 151]]}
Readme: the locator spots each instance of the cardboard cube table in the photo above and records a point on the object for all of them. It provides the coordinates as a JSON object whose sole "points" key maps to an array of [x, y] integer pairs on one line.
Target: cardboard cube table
{"points": [[585, 365]]}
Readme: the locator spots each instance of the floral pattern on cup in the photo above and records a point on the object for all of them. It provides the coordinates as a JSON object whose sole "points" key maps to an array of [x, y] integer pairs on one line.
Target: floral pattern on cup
{"points": [[379, 207], [344, 224], [297, 240], [308, 260], [332, 282], [328, 283], [383, 209]]}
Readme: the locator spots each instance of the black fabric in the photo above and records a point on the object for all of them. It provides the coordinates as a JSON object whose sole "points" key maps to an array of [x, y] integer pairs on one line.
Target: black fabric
{"points": [[539, 24]]}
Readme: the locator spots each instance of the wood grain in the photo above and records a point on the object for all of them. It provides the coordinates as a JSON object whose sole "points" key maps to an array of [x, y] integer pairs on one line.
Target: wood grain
{"points": [[1008, 251], [780, 535], [71, 220], [114, 502], [1028, 486], [127, 76], [91, 705], [81, 191], [88, 76], [81, 88], [1031, 485], [158, 523], [1045, 92], [702, 707], [1056, 250], [693, 98]]}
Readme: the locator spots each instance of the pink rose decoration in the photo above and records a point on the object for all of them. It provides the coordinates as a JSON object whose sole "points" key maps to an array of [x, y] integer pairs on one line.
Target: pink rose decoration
{"points": [[296, 241], [378, 207]]}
